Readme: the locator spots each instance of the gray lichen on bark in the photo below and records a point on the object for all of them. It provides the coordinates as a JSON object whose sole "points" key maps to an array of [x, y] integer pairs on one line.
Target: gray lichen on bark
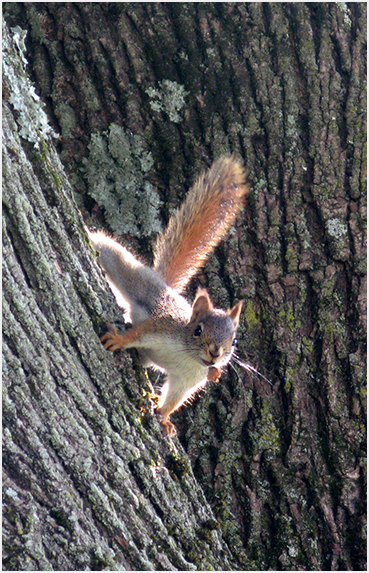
{"points": [[115, 170]]}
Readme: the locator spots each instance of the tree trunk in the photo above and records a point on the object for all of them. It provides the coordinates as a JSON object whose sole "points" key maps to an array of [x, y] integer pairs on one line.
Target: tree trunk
{"points": [[144, 96]]}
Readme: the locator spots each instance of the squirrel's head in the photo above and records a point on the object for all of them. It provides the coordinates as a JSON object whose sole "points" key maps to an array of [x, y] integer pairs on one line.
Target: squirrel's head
{"points": [[213, 330]]}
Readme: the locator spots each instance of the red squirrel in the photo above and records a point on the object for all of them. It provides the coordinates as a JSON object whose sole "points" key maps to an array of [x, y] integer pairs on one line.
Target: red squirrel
{"points": [[190, 344]]}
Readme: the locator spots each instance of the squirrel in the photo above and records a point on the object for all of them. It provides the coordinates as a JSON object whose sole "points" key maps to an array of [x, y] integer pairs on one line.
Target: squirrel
{"points": [[189, 343]]}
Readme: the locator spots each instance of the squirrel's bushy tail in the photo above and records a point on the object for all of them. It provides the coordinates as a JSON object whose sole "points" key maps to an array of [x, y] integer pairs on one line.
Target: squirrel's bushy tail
{"points": [[201, 222]]}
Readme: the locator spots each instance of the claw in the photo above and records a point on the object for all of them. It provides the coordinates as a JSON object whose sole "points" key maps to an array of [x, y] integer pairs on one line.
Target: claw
{"points": [[169, 428], [111, 339]]}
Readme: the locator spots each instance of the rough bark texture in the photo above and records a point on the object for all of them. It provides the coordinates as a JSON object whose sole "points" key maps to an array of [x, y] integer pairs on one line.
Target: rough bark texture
{"points": [[144, 96], [90, 482]]}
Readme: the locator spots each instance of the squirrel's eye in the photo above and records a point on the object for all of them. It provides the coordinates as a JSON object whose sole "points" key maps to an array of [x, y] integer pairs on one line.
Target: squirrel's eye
{"points": [[198, 329], [234, 342]]}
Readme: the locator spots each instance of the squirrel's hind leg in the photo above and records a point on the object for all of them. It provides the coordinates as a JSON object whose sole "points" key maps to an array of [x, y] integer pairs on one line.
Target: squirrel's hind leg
{"points": [[163, 414], [169, 429]]}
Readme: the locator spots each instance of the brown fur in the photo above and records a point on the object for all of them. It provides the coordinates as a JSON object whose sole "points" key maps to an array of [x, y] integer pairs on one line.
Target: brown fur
{"points": [[201, 222]]}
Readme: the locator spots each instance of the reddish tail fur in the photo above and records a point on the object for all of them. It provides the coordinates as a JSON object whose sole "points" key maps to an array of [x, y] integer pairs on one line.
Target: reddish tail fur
{"points": [[201, 222]]}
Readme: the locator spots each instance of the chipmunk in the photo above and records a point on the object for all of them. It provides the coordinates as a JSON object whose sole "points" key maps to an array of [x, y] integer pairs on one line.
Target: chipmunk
{"points": [[190, 343]]}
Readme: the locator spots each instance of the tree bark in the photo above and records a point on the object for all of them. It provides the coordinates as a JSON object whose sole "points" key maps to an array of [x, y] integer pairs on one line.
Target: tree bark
{"points": [[90, 481], [144, 96]]}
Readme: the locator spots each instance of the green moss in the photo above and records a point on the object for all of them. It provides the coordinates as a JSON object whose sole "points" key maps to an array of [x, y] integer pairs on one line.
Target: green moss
{"points": [[250, 315], [287, 316], [290, 378], [307, 345], [292, 259], [266, 436]]}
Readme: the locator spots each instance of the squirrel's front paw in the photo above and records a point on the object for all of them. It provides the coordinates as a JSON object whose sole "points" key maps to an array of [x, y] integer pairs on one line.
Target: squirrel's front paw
{"points": [[111, 339]]}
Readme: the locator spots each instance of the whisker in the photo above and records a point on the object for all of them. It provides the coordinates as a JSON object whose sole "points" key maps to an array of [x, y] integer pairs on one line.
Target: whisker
{"points": [[234, 368], [249, 368]]}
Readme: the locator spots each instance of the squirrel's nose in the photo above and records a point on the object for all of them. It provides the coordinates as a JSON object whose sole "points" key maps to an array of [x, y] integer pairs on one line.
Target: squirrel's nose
{"points": [[215, 351]]}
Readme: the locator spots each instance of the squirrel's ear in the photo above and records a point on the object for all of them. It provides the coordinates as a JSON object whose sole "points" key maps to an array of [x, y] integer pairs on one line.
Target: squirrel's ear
{"points": [[235, 312], [201, 304]]}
